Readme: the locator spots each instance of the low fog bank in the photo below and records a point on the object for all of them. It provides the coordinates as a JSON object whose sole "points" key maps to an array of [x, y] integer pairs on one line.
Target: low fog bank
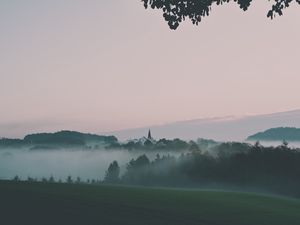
{"points": [[92, 164], [205, 164], [60, 164], [233, 166], [292, 144]]}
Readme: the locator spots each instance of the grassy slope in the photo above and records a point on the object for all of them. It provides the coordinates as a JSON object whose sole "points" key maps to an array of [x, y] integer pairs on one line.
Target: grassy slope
{"points": [[23, 203]]}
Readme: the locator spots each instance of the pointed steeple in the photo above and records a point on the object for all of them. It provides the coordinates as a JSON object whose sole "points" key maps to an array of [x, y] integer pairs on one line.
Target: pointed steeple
{"points": [[149, 135]]}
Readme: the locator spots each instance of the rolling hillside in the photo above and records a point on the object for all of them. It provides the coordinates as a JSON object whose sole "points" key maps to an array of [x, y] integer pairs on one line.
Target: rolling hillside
{"points": [[37, 203], [277, 134], [220, 129]]}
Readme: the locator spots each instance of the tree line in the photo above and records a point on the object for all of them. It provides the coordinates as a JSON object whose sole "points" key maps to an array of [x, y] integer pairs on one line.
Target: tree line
{"points": [[234, 166], [229, 166]]}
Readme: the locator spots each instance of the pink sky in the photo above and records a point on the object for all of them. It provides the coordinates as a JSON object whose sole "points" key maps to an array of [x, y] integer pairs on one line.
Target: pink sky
{"points": [[108, 65]]}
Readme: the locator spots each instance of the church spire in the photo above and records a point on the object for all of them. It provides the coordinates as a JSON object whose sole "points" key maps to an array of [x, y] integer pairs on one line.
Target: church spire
{"points": [[149, 134]]}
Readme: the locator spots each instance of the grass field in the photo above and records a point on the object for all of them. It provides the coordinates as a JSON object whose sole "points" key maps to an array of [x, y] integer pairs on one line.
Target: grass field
{"points": [[55, 204]]}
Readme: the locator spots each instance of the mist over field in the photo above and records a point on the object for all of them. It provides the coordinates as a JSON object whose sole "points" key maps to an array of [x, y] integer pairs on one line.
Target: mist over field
{"points": [[86, 164], [292, 144]]}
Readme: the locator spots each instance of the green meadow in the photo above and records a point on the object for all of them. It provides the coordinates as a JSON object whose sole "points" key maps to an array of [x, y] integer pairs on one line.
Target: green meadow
{"points": [[39, 204]]}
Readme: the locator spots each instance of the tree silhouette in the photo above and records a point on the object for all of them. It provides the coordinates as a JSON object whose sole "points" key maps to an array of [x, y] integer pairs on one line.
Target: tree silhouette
{"points": [[16, 178], [51, 179], [112, 173], [78, 180], [69, 180], [176, 11]]}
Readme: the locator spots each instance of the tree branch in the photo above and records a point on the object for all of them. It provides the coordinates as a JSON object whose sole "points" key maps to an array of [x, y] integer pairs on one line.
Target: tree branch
{"points": [[176, 11]]}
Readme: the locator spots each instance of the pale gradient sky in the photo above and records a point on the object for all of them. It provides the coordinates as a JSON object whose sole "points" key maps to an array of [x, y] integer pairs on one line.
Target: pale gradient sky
{"points": [[102, 65]]}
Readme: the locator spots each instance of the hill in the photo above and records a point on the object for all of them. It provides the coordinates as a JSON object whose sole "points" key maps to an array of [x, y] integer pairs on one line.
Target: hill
{"points": [[220, 129], [37, 203], [67, 137], [58, 139], [277, 134]]}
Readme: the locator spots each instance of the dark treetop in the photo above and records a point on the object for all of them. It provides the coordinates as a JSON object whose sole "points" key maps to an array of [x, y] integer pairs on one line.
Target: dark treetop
{"points": [[176, 11]]}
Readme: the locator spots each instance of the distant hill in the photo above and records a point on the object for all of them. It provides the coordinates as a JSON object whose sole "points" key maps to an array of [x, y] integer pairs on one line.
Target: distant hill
{"points": [[61, 138], [67, 137], [277, 134], [220, 129]]}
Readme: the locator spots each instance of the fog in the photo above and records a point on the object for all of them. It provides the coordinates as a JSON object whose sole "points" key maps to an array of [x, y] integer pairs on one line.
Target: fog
{"points": [[292, 144], [87, 164]]}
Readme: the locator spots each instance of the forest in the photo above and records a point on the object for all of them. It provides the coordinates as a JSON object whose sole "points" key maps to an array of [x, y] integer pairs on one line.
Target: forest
{"points": [[226, 166]]}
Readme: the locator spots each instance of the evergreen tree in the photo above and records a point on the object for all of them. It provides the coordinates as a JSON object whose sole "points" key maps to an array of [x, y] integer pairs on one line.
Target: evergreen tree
{"points": [[112, 173], [69, 180]]}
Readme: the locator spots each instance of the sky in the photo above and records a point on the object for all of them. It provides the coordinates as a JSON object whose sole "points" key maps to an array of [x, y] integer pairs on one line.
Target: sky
{"points": [[104, 65]]}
